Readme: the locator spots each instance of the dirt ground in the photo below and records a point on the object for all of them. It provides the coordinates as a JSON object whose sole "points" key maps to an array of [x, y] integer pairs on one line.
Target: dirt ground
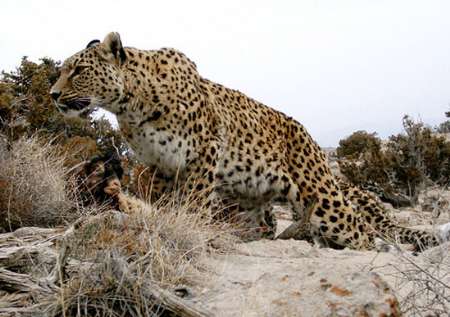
{"points": [[294, 278]]}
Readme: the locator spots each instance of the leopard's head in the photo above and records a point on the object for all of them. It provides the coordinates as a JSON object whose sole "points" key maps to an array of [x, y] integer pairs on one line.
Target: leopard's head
{"points": [[91, 78]]}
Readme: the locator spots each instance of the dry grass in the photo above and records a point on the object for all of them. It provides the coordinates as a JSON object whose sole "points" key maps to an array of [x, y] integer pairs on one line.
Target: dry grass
{"points": [[421, 281], [160, 245], [35, 188], [111, 263], [106, 263], [424, 283]]}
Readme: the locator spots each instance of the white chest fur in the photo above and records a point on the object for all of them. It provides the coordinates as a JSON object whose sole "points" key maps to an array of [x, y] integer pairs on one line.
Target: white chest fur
{"points": [[153, 146]]}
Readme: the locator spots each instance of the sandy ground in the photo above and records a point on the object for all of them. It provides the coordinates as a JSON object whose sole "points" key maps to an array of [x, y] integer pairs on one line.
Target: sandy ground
{"points": [[294, 278], [266, 277]]}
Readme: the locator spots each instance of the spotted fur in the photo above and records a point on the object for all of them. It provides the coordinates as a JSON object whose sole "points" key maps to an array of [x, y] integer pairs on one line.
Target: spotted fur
{"points": [[214, 139]]}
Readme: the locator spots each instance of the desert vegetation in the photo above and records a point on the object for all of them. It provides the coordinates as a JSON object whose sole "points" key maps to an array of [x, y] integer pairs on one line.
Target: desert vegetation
{"points": [[61, 255], [406, 163]]}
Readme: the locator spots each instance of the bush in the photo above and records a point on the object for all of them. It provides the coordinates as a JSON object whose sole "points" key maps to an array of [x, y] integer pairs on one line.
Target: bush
{"points": [[35, 187], [419, 155], [25, 104], [406, 164], [26, 110], [357, 143], [444, 127]]}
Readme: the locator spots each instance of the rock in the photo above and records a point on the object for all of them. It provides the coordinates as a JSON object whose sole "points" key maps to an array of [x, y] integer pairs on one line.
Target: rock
{"points": [[292, 278]]}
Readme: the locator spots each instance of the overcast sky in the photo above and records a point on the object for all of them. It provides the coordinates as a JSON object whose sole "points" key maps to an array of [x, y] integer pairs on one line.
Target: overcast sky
{"points": [[336, 66]]}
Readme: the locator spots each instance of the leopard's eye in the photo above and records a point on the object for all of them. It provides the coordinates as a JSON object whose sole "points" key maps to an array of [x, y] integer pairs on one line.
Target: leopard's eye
{"points": [[78, 69]]}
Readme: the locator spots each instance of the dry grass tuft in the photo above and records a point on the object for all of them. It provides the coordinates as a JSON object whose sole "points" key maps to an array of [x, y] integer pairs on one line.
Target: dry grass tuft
{"points": [[116, 264], [35, 188], [428, 281], [156, 250], [421, 282]]}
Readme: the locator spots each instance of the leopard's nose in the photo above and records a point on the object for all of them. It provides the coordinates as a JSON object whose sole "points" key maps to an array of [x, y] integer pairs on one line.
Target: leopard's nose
{"points": [[55, 95]]}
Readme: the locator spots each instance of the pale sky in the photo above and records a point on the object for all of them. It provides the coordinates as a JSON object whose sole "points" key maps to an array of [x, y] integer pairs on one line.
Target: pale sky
{"points": [[336, 66]]}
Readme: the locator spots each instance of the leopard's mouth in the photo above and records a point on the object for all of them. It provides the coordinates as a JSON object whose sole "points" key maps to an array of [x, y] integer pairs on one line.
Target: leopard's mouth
{"points": [[78, 104], [79, 107]]}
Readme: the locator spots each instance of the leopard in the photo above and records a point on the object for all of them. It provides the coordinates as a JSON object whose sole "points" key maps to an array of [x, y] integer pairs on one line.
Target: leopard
{"points": [[210, 139]]}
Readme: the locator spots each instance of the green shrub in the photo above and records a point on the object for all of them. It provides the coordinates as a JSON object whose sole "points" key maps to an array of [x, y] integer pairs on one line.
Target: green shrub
{"points": [[417, 156], [444, 127], [26, 109], [407, 162], [357, 143]]}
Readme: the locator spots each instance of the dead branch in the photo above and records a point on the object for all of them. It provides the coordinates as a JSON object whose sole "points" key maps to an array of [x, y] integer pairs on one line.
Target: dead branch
{"points": [[300, 228]]}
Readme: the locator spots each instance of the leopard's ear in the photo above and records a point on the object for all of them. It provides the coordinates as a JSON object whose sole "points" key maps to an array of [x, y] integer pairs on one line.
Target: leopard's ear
{"points": [[93, 43], [113, 49]]}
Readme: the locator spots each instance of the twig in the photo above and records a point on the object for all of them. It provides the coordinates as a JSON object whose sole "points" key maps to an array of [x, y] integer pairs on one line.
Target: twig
{"points": [[301, 226]]}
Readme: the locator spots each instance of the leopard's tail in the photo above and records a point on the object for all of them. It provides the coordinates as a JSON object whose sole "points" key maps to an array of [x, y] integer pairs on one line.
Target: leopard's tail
{"points": [[421, 239], [374, 212]]}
